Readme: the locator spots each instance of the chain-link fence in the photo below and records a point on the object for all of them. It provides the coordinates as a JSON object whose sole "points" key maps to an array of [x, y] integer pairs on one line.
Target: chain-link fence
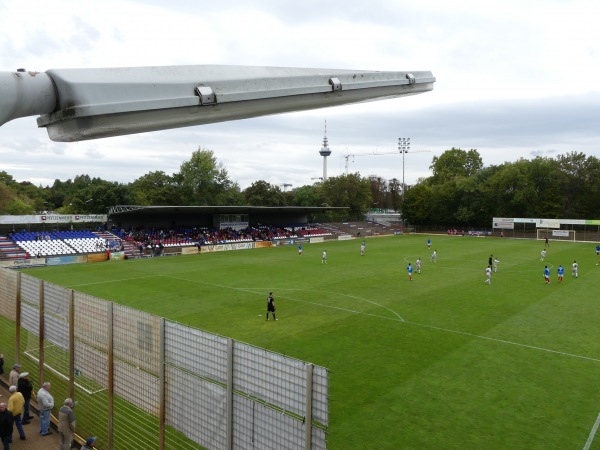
{"points": [[142, 381]]}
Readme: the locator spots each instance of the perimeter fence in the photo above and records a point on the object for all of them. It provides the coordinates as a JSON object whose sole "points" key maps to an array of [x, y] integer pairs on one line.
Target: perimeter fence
{"points": [[582, 233], [142, 381]]}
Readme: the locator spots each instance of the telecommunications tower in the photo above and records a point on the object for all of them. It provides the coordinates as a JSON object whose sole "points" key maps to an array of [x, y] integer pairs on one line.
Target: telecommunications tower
{"points": [[325, 152]]}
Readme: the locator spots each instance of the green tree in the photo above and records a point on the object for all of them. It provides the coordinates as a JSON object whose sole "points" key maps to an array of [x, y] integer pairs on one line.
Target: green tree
{"points": [[155, 188], [417, 206], [580, 185], [378, 187], [308, 195], [202, 179], [261, 193], [394, 191], [6, 178], [231, 196], [352, 191], [455, 163]]}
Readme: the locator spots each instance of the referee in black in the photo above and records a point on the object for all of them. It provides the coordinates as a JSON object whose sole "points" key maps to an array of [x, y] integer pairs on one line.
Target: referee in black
{"points": [[271, 306]]}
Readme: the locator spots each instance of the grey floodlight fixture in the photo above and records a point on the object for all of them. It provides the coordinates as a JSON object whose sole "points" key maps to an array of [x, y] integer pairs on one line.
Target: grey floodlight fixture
{"points": [[80, 104]]}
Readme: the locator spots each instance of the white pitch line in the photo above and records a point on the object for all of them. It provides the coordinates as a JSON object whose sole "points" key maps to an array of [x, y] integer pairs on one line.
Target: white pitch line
{"points": [[400, 319], [487, 338], [433, 327], [112, 281], [253, 290], [347, 295], [592, 434]]}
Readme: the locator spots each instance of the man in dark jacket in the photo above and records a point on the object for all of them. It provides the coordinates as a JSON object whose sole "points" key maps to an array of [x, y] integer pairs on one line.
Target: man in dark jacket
{"points": [[6, 426], [26, 388]]}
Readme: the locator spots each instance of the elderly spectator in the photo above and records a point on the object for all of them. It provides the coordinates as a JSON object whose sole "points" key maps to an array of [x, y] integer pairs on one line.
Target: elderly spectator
{"points": [[15, 406], [45, 405], [66, 424], [13, 377]]}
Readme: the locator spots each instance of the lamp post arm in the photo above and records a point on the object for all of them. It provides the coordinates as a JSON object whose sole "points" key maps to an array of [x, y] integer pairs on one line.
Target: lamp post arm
{"points": [[80, 104], [25, 94]]}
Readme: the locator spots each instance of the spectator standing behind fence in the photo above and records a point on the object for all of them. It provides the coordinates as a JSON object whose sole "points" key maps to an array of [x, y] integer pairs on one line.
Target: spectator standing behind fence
{"points": [[89, 443], [13, 377], [15, 406], [6, 426], [26, 388], [66, 424], [45, 405]]}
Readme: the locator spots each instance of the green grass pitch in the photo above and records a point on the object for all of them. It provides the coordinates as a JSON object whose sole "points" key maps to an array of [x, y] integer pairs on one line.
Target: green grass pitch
{"points": [[443, 362]]}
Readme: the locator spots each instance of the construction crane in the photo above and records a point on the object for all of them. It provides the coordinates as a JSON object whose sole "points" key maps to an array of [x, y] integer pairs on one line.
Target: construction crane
{"points": [[402, 149], [347, 157]]}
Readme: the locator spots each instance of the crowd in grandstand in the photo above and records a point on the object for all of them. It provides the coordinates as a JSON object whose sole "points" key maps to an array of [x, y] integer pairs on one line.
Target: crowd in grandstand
{"points": [[149, 240], [191, 235]]}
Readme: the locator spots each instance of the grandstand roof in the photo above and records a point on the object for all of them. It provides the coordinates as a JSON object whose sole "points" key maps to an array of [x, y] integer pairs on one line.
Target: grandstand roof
{"points": [[132, 210]]}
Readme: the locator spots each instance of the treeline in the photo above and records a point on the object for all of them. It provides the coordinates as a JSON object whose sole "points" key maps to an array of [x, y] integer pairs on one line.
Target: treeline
{"points": [[461, 192], [201, 181]]}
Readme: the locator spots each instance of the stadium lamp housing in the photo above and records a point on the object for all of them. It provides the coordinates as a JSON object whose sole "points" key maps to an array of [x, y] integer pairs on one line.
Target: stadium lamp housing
{"points": [[81, 104]]}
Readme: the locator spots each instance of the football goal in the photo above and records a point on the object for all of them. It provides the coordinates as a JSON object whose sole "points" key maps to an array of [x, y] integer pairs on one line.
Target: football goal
{"points": [[555, 235], [56, 360]]}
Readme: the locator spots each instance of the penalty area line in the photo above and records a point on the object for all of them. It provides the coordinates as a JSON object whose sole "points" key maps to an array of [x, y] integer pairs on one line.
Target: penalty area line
{"points": [[349, 296], [112, 281], [590, 439], [253, 291], [503, 341]]}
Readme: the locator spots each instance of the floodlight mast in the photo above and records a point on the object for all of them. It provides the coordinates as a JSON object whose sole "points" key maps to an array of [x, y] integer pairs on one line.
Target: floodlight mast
{"points": [[81, 104]]}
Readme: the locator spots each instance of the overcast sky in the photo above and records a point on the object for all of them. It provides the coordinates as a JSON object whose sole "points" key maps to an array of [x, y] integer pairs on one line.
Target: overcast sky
{"points": [[514, 79]]}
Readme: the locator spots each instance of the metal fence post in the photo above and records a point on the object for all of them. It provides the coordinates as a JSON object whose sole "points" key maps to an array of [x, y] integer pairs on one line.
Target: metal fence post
{"points": [[308, 413], [162, 386], [42, 332], [18, 319], [71, 300], [111, 376], [229, 405]]}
